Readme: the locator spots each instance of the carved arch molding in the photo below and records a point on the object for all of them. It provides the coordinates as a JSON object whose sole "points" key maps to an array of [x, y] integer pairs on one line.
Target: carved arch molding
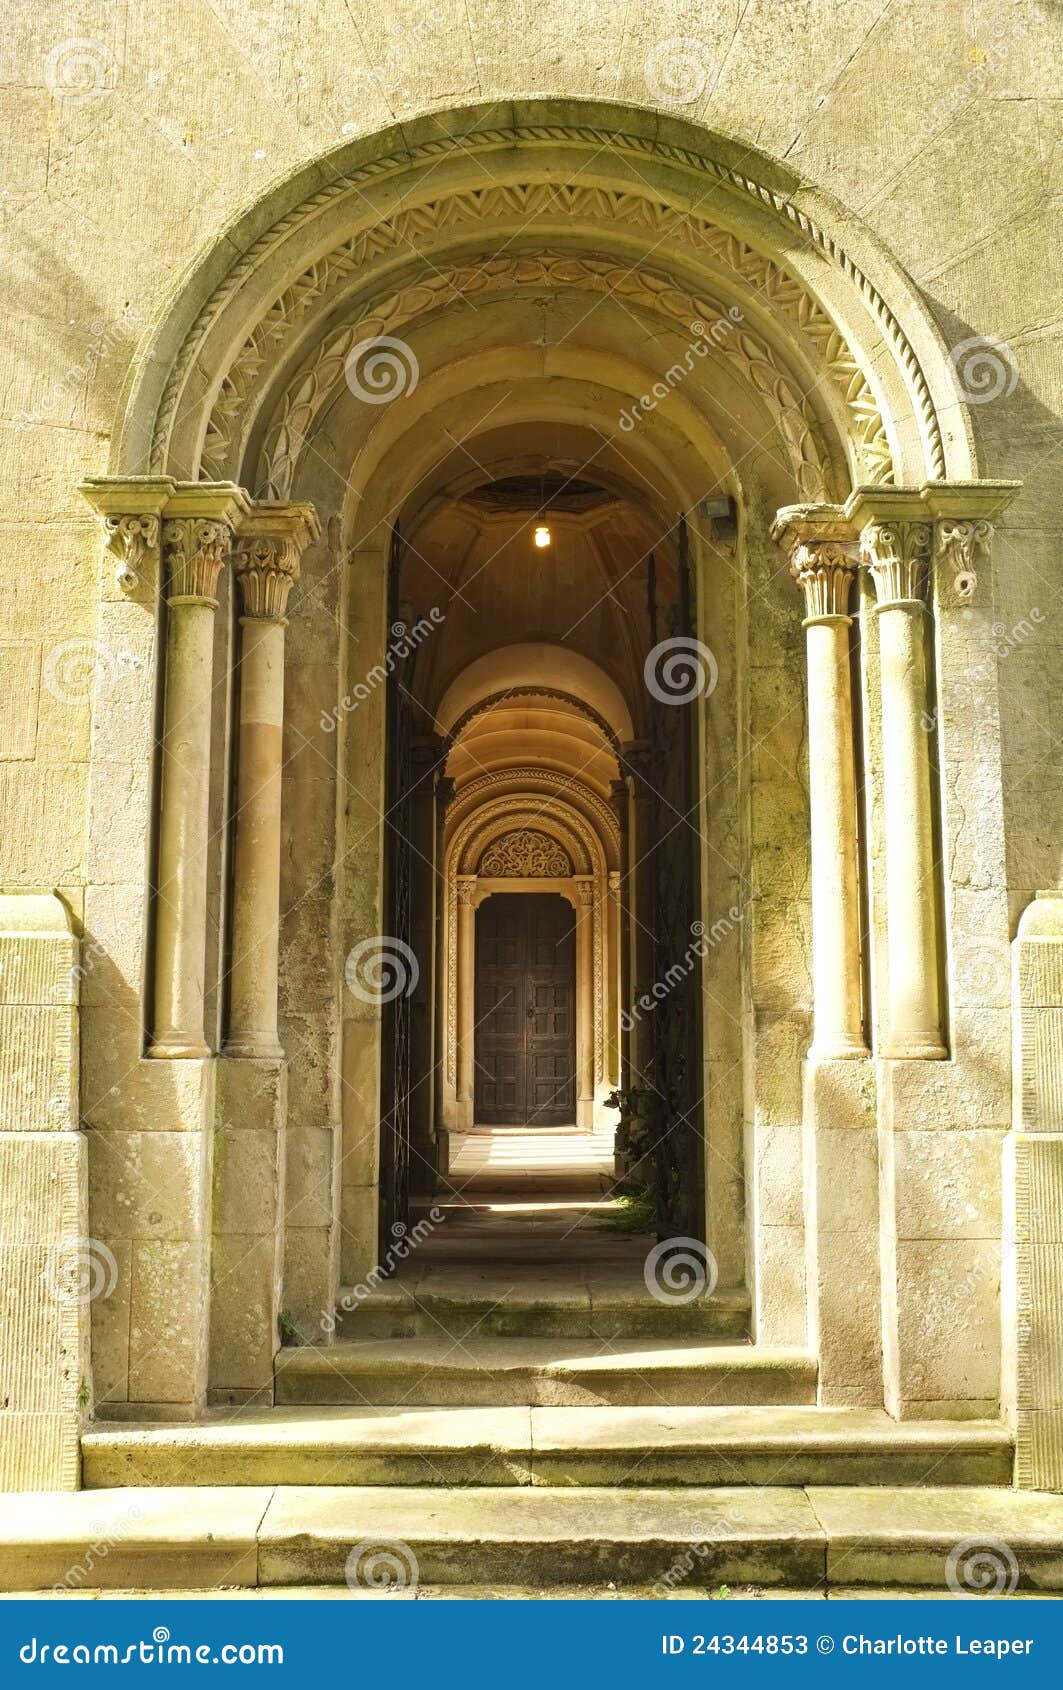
{"points": [[280, 321]]}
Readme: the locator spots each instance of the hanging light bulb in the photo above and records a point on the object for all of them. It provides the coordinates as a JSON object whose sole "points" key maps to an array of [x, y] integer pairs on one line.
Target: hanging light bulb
{"points": [[542, 535]]}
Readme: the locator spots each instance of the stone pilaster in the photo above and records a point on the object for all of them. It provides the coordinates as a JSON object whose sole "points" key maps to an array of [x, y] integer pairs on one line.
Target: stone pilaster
{"points": [[196, 540], [585, 1000], [466, 1013], [942, 1124], [50, 1269]]}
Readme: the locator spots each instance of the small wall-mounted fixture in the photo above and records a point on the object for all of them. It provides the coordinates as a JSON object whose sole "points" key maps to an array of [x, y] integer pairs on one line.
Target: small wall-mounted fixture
{"points": [[722, 512], [542, 535]]}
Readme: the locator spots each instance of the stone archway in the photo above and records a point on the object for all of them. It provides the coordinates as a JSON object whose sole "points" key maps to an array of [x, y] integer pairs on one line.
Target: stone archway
{"points": [[804, 376]]}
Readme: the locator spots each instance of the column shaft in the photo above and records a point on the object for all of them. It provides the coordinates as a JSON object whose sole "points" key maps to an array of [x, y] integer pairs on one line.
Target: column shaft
{"points": [[194, 552], [585, 1000], [823, 562], [897, 554], [257, 846], [466, 997], [836, 979]]}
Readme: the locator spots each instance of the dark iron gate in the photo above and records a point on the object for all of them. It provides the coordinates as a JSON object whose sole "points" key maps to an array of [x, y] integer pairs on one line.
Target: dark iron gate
{"points": [[676, 683], [396, 1075]]}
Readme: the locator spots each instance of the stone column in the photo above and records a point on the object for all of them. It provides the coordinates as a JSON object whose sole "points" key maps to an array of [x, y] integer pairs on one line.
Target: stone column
{"points": [[840, 1161], [265, 563], [196, 539], [823, 562], [637, 763], [620, 798], [466, 1008], [614, 941], [585, 999], [895, 540]]}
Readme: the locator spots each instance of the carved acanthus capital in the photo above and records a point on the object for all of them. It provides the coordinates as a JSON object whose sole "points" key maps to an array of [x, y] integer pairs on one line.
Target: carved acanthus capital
{"points": [[825, 571], [466, 889], [897, 554], [194, 551], [265, 567], [272, 538], [131, 540], [818, 541], [962, 546], [585, 889]]}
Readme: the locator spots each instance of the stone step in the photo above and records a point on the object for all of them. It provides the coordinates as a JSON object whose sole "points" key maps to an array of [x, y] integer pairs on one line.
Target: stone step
{"points": [[554, 1299], [548, 1446], [544, 1373], [770, 1538]]}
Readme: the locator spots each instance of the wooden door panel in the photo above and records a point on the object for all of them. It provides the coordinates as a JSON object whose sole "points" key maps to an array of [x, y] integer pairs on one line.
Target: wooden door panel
{"points": [[525, 998]]}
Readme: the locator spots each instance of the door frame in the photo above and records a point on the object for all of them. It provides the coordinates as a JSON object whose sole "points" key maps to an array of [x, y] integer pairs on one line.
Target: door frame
{"points": [[534, 891], [579, 891]]}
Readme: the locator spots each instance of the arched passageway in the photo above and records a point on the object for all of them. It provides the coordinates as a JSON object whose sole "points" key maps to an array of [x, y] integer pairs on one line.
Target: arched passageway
{"points": [[397, 704]]}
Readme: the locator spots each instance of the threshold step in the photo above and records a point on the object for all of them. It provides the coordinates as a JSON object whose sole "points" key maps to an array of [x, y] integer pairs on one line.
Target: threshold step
{"points": [[663, 1539], [544, 1373], [560, 1299], [547, 1446]]}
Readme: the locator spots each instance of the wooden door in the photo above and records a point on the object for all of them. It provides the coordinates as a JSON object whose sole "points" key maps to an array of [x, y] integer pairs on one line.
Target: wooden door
{"points": [[525, 1007]]}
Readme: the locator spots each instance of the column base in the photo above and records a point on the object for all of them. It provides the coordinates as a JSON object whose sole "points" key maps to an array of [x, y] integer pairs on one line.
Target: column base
{"points": [[914, 1050], [263, 1050], [178, 1050], [844, 1050]]}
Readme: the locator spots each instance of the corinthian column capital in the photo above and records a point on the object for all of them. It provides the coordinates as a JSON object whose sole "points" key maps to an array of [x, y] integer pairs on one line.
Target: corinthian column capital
{"points": [[823, 560], [267, 554], [197, 533]]}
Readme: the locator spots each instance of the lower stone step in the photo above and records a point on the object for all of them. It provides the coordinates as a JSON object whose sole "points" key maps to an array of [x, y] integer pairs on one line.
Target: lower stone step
{"points": [[542, 1373], [548, 1446], [663, 1540], [562, 1299]]}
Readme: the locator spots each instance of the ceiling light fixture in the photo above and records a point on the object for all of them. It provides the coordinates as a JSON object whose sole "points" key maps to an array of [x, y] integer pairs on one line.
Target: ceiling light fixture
{"points": [[542, 535]]}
